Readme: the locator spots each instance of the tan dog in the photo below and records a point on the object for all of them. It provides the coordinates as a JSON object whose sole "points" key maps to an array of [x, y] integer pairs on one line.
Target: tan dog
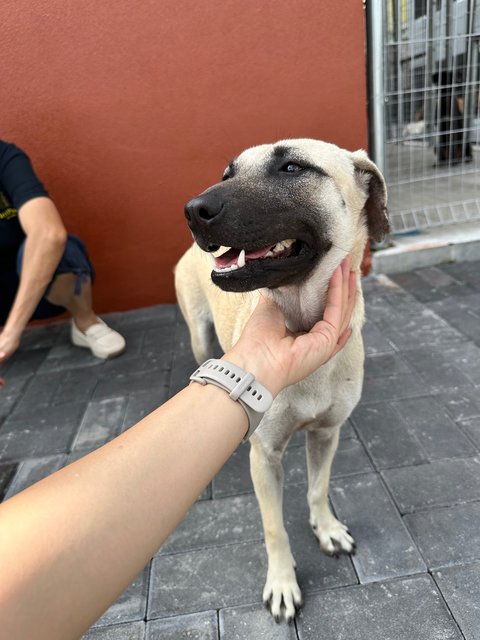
{"points": [[282, 219]]}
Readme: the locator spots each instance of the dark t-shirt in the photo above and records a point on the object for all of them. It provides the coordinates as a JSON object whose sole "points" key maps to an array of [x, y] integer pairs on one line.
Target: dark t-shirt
{"points": [[18, 184]]}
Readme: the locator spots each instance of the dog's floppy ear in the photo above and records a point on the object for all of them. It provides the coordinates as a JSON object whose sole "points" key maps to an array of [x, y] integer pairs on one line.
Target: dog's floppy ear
{"points": [[369, 176]]}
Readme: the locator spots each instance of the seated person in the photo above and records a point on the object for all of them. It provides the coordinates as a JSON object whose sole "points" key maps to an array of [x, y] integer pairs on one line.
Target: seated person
{"points": [[43, 271]]}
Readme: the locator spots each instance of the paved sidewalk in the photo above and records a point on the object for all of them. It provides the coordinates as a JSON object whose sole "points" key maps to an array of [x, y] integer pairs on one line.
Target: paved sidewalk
{"points": [[406, 478]]}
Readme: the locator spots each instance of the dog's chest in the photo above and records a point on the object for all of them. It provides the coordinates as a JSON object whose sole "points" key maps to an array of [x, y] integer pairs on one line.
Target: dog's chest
{"points": [[324, 399]]}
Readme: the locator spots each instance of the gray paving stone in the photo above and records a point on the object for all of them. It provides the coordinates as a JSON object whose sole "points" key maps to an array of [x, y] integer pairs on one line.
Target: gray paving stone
{"points": [[398, 610], [147, 317], [447, 536], [44, 337], [458, 312], [440, 483], [196, 626], [141, 363], [132, 631], [183, 363], [436, 278], [7, 472], [401, 385], [436, 432], [206, 579], [466, 272], [49, 431], [386, 436], [462, 404], [23, 364], [252, 621], [64, 356], [31, 471], [131, 605], [217, 522], [234, 477], [465, 356], [39, 392], [385, 548], [472, 429], [460, 586], [8, 402], [433, 331], [376, 366], [160, 340], [131, 383], [374, 340], [14, 386], [101, 422], [74, 384]]}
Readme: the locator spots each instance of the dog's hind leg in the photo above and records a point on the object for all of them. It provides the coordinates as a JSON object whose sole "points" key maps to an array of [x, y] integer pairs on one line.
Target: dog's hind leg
{"points": [[281, 589], [333, 536]]}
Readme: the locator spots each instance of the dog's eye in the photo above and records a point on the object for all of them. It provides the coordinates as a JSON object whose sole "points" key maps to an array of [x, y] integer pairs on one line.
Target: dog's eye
{"points": [[291, 167], [226, 175]]}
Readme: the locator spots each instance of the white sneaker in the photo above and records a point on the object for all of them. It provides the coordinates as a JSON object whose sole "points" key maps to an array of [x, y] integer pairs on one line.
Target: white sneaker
{"points": [[100, 339]]}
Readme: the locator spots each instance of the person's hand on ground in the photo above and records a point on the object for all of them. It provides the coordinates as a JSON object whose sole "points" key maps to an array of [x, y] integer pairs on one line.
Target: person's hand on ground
{"points": [[280, 358], [9, 343]]}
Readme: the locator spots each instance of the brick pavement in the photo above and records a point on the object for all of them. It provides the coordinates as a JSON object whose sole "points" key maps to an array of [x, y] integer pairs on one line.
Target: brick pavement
{"points": [[406, 478]]}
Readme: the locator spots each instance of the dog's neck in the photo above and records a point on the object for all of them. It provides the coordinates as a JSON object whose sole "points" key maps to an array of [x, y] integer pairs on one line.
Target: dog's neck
{"points": [[302, 305]]}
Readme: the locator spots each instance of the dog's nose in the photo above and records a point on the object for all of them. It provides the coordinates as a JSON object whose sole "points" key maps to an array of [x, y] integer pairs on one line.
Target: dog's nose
{"points": [[202, 210]]}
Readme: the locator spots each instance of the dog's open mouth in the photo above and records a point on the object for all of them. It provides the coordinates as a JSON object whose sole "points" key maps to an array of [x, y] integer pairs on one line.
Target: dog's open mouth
{"points": [[231, 259]]}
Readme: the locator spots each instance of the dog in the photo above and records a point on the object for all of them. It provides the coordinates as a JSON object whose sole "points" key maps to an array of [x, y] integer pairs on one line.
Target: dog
{"points": [[281, 220]]}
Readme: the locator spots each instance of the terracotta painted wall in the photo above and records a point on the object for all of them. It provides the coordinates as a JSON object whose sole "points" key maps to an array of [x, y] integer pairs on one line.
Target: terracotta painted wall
{"points": [[129, 108]]}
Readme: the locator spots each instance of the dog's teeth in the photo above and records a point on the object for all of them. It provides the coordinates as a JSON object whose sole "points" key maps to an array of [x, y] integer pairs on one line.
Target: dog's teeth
{"points": [[281, 246], [241, 259], [269, 254]]}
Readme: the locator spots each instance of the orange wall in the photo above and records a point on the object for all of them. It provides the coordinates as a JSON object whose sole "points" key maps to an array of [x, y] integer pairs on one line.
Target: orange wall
{"points": [[129, 108]]}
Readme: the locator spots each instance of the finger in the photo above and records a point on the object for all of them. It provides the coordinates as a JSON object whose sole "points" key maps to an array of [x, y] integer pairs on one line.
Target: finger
{"points": [[352, 297], [345, 285], [268, 316], [333, 307]]}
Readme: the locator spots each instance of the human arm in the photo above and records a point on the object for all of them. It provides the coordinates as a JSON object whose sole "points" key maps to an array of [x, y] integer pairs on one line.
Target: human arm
{"points": [[45, 241], [70, 544]]}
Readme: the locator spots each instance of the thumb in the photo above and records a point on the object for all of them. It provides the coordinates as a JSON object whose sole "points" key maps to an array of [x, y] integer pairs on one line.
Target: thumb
{"points": [[268, 315]]}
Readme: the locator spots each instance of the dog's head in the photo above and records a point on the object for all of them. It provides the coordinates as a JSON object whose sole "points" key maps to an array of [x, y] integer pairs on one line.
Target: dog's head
{"points": [[282, 208]]}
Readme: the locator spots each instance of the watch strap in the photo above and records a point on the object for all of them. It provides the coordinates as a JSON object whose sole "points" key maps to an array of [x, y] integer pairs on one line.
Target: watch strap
{"points": [[240, 385]]}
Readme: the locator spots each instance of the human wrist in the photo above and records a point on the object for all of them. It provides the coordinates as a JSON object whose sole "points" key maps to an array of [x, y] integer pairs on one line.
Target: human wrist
{"points": [[12, 332], [256, 363]]}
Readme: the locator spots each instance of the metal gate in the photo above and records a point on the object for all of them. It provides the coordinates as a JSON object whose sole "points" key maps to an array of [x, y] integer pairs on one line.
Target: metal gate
{"points": [[424, 66]]}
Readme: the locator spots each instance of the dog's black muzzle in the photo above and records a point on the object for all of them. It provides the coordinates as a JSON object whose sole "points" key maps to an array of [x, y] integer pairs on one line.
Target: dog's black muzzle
{"points": [[203, 213]]}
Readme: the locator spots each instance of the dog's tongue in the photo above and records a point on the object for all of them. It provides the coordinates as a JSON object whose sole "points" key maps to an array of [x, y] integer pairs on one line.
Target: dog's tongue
{"points": [[231, 256]]}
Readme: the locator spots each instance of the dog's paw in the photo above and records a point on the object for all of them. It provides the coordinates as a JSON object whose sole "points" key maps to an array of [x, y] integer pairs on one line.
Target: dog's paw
{"points": [[282, 595], [333, 536]]}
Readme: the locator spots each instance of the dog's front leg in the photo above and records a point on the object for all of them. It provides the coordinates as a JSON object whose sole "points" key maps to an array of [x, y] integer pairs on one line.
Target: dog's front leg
{"points": [[281, 588], [333, 536]]}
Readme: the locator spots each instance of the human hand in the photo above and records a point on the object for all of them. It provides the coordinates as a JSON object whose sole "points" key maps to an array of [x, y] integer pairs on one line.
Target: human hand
{"points": [[9, 343], [279, 358]]}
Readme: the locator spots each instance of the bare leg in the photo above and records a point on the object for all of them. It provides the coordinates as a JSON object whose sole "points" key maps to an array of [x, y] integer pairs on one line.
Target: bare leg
{"points": [[80, 306], [333, 535]]}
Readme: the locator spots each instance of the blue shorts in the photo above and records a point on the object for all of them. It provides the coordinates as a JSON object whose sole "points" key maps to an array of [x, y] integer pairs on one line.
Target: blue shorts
{"points": [[74, 260]]}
